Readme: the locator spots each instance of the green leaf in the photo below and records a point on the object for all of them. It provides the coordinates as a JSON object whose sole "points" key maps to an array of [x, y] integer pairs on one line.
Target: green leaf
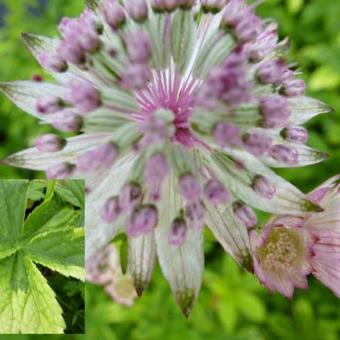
{"points": [[36, 190], [27, 304], [48, 237], [251, 307], [61, 250], [51, 214], [295, 6], [227, 314], [124, 256], [13, 200], [71, 191]]}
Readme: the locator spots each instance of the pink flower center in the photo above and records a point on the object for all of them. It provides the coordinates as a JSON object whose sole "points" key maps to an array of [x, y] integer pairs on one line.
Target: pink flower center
{"points": [[167, 90]]}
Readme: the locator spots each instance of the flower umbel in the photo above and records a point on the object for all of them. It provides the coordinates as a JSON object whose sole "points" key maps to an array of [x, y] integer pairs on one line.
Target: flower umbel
{"points": [[181, 108]]}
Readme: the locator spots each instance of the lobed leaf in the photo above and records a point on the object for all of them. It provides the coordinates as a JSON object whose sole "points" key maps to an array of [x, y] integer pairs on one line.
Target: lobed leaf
{"points": [[13, 200], [60, 249], [27, 305], [52, 214]]}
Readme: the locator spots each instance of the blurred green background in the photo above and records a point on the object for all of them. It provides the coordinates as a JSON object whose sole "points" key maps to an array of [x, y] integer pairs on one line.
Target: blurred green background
{"points": [[232, 305]]}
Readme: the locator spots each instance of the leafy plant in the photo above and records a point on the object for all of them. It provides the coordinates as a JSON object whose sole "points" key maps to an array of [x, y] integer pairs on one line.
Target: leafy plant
{"points": [[33, 231]]}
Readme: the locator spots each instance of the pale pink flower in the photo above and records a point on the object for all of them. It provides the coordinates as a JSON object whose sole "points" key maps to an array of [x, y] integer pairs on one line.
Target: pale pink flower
{"points": [[104, 269], [291, 247]]}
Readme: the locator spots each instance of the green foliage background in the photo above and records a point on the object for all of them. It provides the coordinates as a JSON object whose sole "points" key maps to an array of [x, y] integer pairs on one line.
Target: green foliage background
{"points": [[232, 305]]}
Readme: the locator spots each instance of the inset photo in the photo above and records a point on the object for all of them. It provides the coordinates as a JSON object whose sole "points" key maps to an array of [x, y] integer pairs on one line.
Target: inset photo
{"points": [[41, 257]]}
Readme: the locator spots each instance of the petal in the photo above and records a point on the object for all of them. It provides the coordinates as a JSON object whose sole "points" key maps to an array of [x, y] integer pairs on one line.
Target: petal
{"points": [[230, 233], [93, 4], [286, 200], [98, 232], [181, 265], [24, 94], [39, 44], [37, 160], [305, 108], [142, 257], [328, 219], [212, 47], [156, 28], [328, 274], [183, 38], [325, 190], [279, 283], [307, 156]]}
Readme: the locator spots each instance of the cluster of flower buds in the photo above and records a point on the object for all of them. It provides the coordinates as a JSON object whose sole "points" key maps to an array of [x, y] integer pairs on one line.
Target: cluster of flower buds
{"points": [[160, 6]]}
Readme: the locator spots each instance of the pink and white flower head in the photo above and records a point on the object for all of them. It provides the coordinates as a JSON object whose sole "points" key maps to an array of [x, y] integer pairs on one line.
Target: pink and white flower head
{"points": [[104, 269], [282, 258], [198, 103], [291, 247]]}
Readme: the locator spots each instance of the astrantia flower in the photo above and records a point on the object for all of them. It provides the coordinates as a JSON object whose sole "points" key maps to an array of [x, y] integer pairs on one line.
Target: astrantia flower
{"points": [[291, 247], [181, 108], [104, 269]]}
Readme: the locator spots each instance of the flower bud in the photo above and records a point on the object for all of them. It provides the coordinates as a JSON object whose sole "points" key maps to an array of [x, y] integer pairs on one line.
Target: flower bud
{"points": [[294, 87], [136, 76], [130, 196], [264, 187], [271, 72], [72, 52], [190, 187], [257, 143], [284, 154], [296, 134], [137, 9], [84, 96], [245, 30], [114, 14], [111, 210], [156, 170], [91, 21], [245, 214], [275, 111], [50, 143], [215, 192], [232, 14], [49, 104], [101, 157], [138, 47], [194, 212], [143, 220], [60, 171], [227, 134], [178, 232], [53, 62], [89, 40], [212, 6], [68, 123]]}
